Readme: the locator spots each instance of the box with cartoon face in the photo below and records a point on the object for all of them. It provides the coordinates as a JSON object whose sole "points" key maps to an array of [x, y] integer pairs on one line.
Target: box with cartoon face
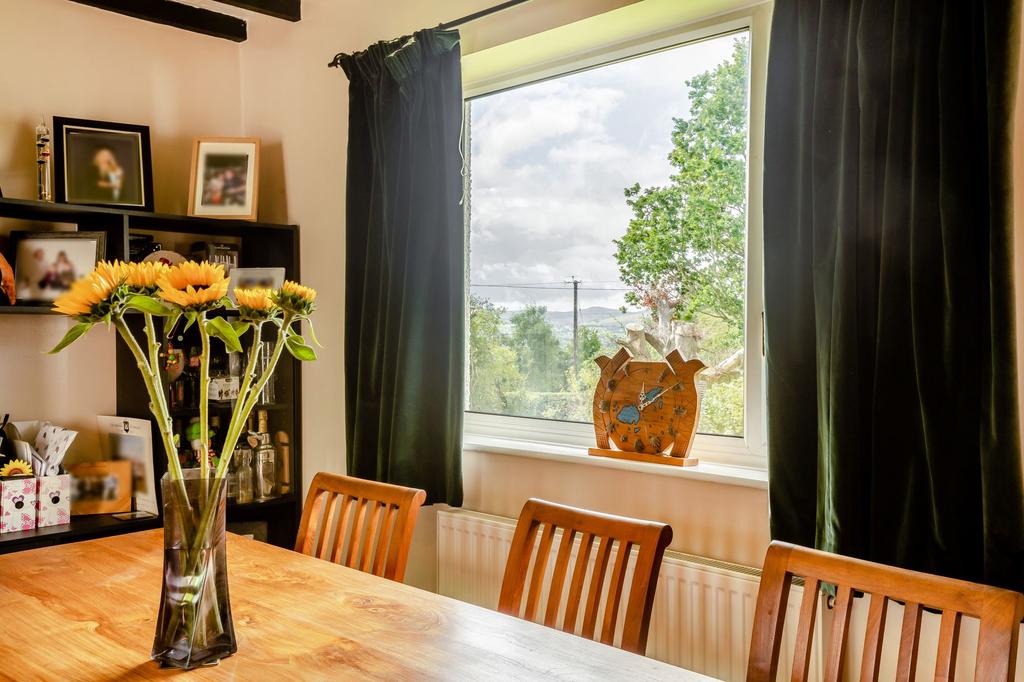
{"points": [[17, 504], [53, 503]]}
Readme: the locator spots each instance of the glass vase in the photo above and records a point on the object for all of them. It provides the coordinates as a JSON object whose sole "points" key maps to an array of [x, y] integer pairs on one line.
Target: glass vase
{"points": [[194, 625]]}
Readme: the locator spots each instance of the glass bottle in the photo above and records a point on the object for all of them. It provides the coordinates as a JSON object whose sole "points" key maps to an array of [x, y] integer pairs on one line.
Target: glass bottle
{"points": [[265, 457]]}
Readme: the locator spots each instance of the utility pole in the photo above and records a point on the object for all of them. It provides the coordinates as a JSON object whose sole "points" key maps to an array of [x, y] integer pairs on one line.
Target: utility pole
{"points": [[575, 321]]}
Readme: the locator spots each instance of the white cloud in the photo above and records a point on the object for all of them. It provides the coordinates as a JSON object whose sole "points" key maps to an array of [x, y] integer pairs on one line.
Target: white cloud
{"points": [[549, 165]]}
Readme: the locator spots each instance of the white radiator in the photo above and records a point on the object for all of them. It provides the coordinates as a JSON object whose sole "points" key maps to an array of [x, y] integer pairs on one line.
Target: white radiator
{"points": [[703, 609]]}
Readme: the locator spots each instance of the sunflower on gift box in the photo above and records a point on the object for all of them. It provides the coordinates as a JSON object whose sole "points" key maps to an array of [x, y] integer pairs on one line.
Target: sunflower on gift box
{"points": [[16, 467]]}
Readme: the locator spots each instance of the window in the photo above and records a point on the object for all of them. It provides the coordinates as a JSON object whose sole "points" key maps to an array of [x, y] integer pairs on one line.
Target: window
{"points": [[608, 208]]}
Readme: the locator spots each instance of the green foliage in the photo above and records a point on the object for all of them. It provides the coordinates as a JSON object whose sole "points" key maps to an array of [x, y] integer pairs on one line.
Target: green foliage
{"points": [[721, 409], [542, 360], [495, 383], [75, 333], [589, 345], [685, 245]]}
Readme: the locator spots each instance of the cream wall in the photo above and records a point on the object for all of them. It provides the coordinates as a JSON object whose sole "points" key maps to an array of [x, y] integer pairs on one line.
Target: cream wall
{"points": [[62, 58]]}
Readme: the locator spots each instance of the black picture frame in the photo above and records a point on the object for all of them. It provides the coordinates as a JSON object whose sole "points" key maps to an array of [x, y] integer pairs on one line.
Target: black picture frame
{"points": [[18, 236], [67, 183]]}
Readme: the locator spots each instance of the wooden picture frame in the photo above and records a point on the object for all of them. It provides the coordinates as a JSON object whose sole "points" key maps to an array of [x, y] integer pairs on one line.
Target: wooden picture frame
{"points": [[48, 271], [110, 480], [102, 163], [225, 177]]}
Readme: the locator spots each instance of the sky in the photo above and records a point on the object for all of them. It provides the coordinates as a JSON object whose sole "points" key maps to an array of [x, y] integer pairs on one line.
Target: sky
{"points": [[549, 164]]}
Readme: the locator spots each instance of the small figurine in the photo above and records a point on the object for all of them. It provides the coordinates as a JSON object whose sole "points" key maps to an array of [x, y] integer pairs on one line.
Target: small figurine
{"points": [[43, 191]]}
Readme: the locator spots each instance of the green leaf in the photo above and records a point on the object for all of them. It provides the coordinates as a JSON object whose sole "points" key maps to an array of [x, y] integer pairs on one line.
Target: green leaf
{"points": [[171, 322], [312, 334], [147, 304], [191, 320], [73, 335], [296, 345], [219, 328], [240, 328]]}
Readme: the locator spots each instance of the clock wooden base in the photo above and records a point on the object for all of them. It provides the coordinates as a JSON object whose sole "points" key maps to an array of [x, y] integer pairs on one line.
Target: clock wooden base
{"points": [[643, 457]]}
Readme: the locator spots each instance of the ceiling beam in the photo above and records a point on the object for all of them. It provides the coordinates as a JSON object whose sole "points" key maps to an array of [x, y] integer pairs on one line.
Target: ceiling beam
{"points": [[175, 14], [289, 10]]}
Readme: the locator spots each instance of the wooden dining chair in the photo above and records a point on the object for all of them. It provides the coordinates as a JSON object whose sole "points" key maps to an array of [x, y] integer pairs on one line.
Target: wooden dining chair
{"points": [[999, 611], [615, 534], [361, 524]]}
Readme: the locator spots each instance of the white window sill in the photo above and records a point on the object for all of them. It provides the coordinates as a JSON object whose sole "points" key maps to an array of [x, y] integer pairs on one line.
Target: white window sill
{"points": [[748, 477]]}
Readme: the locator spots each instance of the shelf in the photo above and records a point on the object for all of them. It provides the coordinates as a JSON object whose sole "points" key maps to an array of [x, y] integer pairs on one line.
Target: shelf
{"points": [[281, 500], [221, 408], [80, 528], [27, 209], [27, 310]]}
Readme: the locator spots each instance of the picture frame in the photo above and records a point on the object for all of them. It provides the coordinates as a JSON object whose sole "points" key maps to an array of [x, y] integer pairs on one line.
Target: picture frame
{"points": [[247, 278], [46, 263], [103, 487], [224, 180], [129, 439], [102, 163]]}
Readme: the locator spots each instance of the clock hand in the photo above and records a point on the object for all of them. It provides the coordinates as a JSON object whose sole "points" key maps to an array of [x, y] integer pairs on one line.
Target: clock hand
{"points": [[646, 398]]}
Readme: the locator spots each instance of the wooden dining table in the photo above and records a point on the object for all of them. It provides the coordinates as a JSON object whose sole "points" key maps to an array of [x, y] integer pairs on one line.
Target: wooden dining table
{"points": [[86, 611]]}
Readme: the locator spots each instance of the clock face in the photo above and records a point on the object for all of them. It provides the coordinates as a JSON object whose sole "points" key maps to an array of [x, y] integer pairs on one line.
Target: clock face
{"points": [[645, 406]]}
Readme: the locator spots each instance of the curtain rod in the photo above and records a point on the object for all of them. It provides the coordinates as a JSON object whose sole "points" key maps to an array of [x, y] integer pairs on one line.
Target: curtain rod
{"points": [[482, 13], [336, 62]]}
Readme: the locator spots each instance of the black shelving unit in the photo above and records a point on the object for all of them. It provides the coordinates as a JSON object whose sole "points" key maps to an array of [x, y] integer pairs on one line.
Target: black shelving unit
{"points": [[260, 245]]}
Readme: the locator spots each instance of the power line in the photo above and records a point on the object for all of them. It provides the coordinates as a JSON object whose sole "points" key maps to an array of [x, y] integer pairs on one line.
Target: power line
{"points": [[545, 288]]}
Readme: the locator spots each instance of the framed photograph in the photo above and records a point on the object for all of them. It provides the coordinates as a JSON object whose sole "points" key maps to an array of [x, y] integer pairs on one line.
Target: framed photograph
{"points": [[99, 163], [46, 263], [225, 177], [252, 278], [101, 487]]}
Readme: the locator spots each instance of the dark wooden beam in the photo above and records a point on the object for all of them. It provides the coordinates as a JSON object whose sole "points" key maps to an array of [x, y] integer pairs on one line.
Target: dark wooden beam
{"points": [[175, 14], [289, 10]]}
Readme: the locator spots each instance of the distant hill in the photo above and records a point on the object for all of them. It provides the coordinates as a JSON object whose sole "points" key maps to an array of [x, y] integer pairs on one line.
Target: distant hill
{"points": [[608, 321]]}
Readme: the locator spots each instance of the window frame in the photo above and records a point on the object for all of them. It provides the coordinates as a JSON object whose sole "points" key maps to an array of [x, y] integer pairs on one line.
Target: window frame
{"points": [[750, 449]]}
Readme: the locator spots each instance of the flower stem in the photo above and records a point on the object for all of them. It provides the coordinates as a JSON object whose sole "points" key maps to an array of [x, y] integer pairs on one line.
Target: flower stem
{"points": [[204, 398], [208, 510], [173, 464], [237, 418]]}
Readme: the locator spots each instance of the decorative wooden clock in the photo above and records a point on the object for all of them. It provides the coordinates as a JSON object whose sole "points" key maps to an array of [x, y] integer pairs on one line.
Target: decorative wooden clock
{"points": [[647, 410]]}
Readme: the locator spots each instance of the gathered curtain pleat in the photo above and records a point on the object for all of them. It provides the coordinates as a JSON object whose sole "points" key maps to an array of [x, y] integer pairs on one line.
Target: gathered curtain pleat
{"points": [[404, 258], [889, 326]]}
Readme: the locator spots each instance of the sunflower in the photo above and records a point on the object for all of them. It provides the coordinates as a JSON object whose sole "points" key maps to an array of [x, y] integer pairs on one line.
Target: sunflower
{"points": [[91, 297], [194, 286], [295, 298], [16, 467], [143, 277], [255, 303]]}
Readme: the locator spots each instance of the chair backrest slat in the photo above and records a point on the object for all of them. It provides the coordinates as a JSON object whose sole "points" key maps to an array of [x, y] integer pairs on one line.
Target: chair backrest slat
{"points": [[910, 636], [949, 638], [837, 642], [1000, 612], [604, 550], [579, 576], [805, 630], [361, 524], [540, 567], [600, 597], [558, 578], [871, 660]]}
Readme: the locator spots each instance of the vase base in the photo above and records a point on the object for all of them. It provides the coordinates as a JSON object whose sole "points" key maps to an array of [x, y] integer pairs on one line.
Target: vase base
{"points": [[180, 660]]}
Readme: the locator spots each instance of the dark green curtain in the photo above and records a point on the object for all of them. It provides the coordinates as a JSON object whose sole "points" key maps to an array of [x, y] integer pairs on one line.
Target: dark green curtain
{"points": [[404, 260], [892, 409]]}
